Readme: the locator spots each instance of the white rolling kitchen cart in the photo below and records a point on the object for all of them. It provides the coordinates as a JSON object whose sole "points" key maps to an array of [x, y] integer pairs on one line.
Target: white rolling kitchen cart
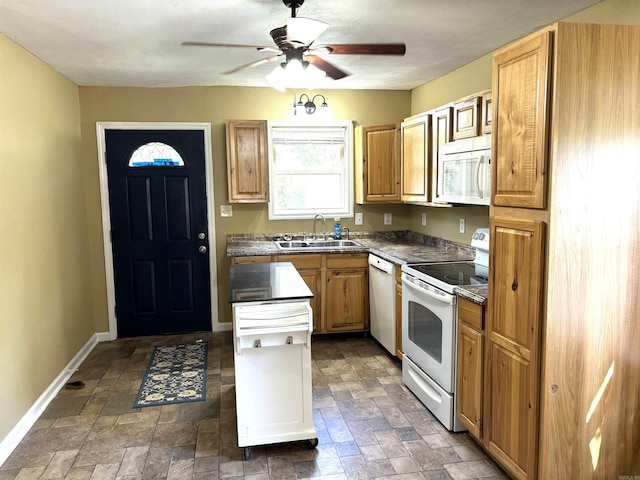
{"points": [[272, 327]]}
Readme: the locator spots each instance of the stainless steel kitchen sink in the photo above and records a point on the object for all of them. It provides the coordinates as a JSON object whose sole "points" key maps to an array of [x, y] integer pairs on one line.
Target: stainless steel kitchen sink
{"points": [[315, 244]]}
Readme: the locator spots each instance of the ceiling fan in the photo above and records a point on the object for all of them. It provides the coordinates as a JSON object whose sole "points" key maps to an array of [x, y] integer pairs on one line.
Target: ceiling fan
{"points": [[294, 42]]}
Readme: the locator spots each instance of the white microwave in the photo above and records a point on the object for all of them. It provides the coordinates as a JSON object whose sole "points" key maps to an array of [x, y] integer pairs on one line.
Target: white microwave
{"points": [[464, 171]]}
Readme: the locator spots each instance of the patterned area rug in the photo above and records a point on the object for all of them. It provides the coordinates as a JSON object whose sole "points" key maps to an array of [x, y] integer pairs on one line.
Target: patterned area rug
{"points": [[176, 374]]}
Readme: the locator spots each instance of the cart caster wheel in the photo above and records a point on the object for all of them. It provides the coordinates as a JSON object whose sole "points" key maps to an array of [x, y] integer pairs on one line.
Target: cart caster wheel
{"points": [[312, 443], [246, 453]]}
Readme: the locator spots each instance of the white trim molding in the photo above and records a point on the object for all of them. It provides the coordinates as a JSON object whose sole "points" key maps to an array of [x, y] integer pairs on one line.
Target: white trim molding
{"points": [[15, 436], [101, 127]]}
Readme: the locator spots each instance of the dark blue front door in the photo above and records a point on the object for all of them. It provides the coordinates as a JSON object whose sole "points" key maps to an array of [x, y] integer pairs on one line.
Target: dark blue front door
{"points": [[157, 198]]}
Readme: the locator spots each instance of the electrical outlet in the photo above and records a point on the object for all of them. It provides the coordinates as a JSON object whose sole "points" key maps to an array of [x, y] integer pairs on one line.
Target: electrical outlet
{"points": [[359, 218], [424, 219], [226, 211], [463, 224], [387, 219]]}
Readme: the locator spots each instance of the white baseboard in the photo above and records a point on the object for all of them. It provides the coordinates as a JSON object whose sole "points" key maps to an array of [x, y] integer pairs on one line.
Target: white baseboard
{"points": [[15, 436]]}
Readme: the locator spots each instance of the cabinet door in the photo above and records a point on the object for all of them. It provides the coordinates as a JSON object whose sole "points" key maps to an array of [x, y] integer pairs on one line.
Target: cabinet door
{"points": [[309, 266], [347, 299], [466, 118], [521, 99], [247, 166], [487, 112], [416, 155], [469, 379], [378, 164], [513, 344], [442, 133]]}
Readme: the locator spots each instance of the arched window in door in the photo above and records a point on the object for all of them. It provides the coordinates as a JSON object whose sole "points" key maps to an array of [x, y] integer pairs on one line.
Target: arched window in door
{"points": [[156, 154]]}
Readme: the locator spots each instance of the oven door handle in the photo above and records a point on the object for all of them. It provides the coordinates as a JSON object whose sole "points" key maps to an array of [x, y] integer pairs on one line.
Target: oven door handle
{"points": [[448, 299]]}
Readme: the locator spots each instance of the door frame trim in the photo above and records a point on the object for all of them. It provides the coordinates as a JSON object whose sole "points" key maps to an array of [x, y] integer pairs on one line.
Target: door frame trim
{"points": [[101, 127]]}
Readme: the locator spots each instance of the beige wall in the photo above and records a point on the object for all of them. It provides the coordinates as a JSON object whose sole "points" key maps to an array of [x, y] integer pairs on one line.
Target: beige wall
{"points": [[215, 105], [45, 296]]}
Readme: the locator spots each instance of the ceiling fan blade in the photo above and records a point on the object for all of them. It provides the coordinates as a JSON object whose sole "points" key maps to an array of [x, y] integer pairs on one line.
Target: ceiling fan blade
{"points": [[365, 48], [273, 58], [331, 70], [261, 48]]}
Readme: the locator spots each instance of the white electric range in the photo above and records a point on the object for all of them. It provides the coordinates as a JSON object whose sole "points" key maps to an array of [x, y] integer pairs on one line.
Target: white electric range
{"points": [[429, 326]]}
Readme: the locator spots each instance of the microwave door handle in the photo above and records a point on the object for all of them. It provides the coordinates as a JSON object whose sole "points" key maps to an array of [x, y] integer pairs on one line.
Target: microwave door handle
{"points": [[480, 162]]}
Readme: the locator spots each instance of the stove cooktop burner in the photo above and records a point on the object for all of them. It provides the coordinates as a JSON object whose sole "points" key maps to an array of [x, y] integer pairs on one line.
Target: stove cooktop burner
{"points": [[453, 273]]}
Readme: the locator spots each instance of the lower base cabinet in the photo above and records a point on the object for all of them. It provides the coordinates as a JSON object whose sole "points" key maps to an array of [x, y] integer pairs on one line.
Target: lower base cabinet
{"points": [[347, 296], [470, 365], [340, 286]]}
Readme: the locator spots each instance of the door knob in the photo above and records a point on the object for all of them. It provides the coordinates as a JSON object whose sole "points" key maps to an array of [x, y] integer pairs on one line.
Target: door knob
{"points": [[202, 249], [202, 236]]}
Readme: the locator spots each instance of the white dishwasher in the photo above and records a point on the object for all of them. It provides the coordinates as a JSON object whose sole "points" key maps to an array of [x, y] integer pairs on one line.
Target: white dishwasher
{"points": [[382, 302], [272, 326]]}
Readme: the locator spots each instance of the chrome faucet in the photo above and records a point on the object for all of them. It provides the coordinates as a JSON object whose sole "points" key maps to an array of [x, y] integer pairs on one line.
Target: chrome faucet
{"points": [[324, 223]]}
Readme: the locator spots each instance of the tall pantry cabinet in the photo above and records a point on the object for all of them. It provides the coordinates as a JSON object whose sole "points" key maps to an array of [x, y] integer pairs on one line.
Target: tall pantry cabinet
{"points": [[562, 368]]}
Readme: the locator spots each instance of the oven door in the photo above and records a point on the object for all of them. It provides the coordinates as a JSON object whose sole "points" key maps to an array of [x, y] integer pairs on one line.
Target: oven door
{"points": [[429, 330]]}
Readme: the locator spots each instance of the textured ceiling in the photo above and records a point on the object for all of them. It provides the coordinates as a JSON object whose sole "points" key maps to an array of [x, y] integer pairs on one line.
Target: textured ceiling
{"points": [[137, 42]]}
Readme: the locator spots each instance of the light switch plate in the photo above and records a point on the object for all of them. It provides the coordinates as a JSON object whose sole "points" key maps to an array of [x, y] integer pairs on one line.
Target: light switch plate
{"points": [[387, 219], [424, 219], [463, 224], [226, 211], [359, 218]]}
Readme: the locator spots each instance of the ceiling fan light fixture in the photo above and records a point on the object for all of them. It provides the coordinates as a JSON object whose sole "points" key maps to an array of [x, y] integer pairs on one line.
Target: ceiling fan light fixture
{"points": [[304, 30], [278, 78], [295, 74]]}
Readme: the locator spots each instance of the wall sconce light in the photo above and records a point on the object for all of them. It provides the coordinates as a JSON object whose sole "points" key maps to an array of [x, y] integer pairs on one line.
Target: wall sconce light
{"points": [[309, 105]]}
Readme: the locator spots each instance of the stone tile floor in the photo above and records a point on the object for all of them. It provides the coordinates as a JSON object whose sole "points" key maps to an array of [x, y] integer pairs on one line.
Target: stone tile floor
{"points": [[368, 424]]}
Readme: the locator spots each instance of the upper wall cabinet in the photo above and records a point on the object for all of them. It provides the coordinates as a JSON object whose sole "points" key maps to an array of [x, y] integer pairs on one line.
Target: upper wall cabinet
{"points": [[487, 112], [442, 132], [247, 166], [416, 159], [466, 117], [377, 163], [521, 78]]}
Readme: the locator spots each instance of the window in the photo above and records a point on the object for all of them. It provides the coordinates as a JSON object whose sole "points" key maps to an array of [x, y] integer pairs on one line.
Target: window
{"points": [[156, 154], [310, 170]]}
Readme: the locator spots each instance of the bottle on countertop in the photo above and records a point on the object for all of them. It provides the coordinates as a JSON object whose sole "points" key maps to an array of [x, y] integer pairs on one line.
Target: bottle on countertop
{"points": [[337, 229]]}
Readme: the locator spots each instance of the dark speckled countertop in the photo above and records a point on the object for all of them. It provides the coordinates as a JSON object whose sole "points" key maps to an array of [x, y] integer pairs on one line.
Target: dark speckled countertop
{"points": [[398, 247]]}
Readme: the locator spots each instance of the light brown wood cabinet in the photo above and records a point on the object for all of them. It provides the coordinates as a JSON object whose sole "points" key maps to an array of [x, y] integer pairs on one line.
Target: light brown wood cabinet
{"points": [[347, 305], [253, 259], [416, 159], [442, 133], [309, 266], [377, 163], [564, 269], [512, 392], [247, 161], [487, 113], [467, 117], [470, 379], [521, 100]]}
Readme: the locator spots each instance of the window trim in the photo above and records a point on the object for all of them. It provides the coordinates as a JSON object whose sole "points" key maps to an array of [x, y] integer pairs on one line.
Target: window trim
{"points": [[349, 173]]}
